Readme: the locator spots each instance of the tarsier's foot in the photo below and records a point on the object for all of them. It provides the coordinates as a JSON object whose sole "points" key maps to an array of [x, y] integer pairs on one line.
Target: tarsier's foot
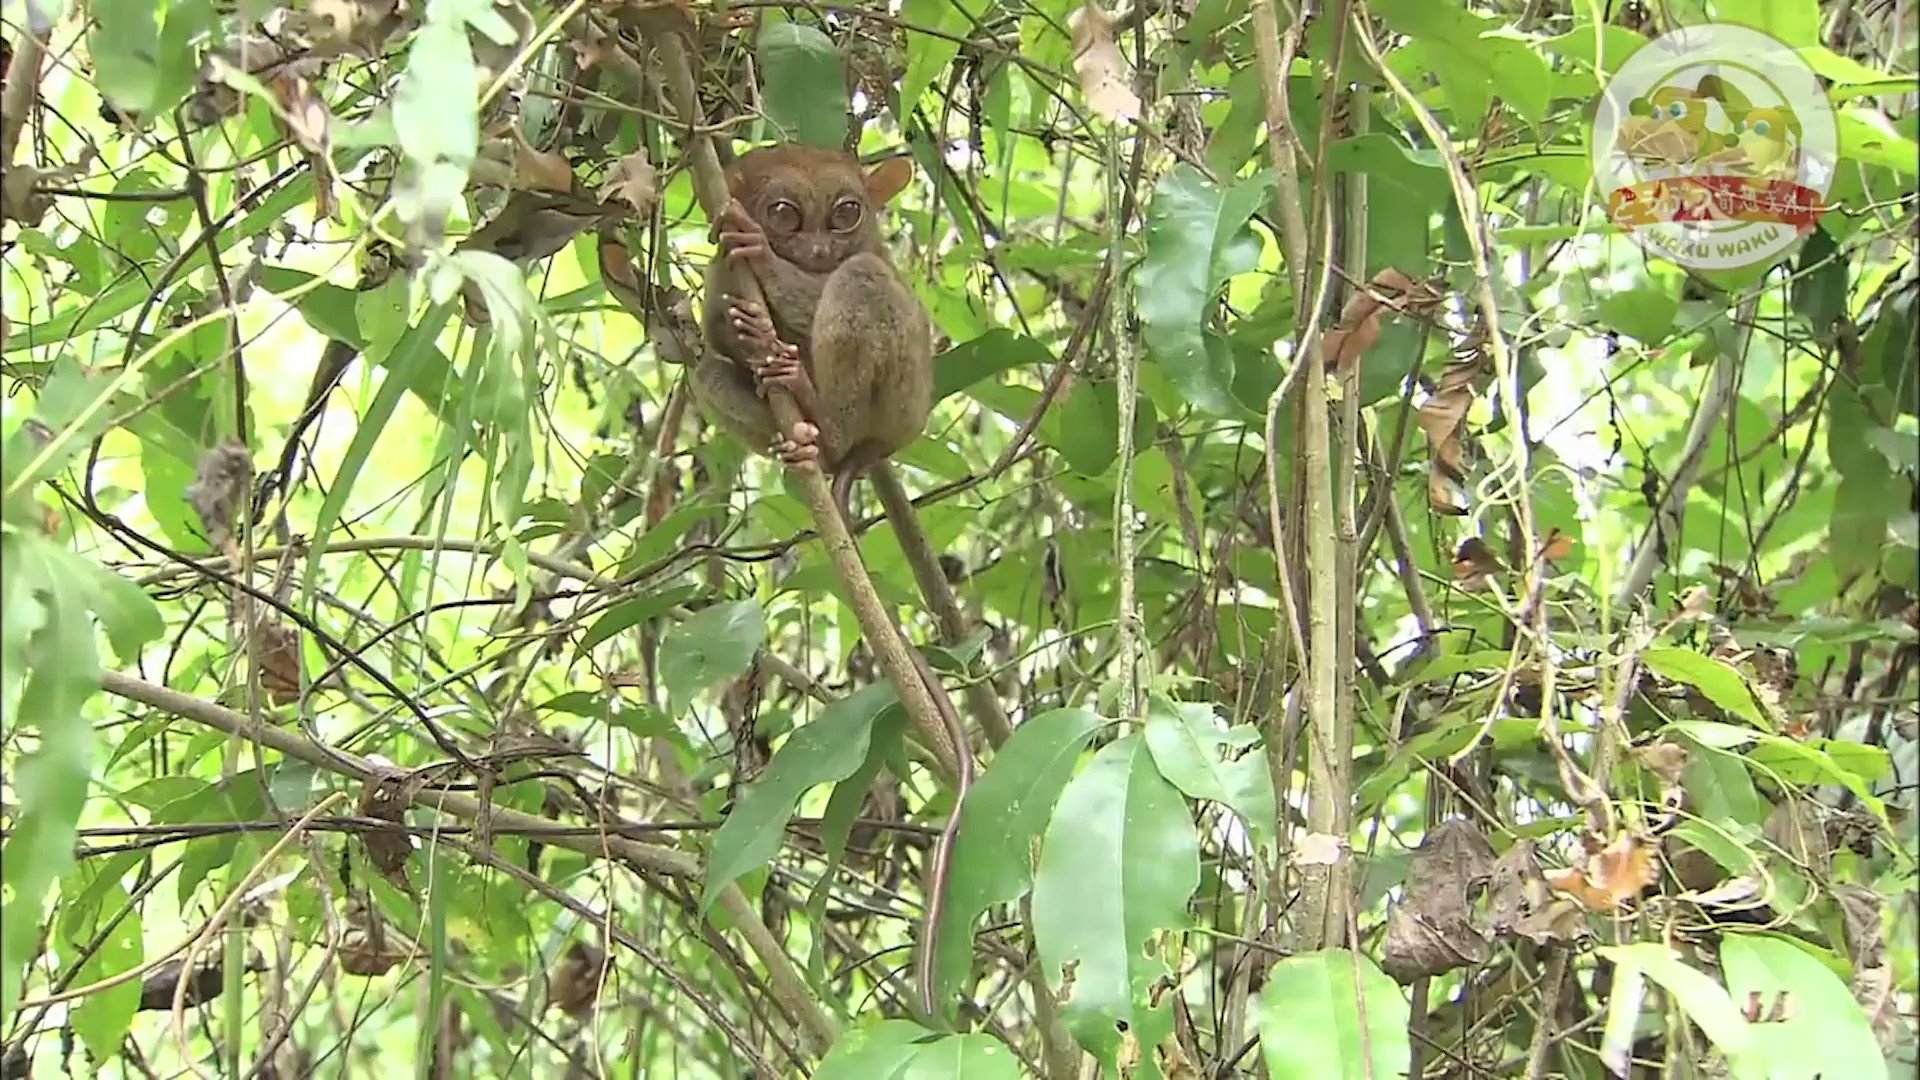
{"points": [[799, 446], [739, 235], [789, 374]]}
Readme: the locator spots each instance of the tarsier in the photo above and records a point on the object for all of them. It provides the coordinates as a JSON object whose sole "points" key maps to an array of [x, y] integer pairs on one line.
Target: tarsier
{"points": [[844, 335], [840, 331]]}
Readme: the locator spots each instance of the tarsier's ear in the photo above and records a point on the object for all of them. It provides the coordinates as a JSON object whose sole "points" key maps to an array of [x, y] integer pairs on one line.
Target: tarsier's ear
{"points": [[888, 178]]}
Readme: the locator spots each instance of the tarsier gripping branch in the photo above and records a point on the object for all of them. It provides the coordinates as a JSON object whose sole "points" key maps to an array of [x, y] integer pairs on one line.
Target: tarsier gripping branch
{"points": [[844, 336]]}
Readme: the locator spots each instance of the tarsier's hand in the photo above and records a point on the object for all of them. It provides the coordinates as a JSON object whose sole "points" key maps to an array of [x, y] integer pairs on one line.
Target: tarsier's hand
{"points": [[739, 236]]}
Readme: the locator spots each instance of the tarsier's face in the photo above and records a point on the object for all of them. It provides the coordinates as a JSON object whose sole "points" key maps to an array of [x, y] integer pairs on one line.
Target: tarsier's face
{"points": [[813, 203]]}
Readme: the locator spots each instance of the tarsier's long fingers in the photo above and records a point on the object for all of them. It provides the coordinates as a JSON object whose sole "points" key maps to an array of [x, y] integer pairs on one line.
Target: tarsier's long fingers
{"points": [[799, 446]]}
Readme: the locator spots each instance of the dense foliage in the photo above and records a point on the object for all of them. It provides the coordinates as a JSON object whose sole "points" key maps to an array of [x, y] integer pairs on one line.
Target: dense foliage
{"points": [[1404, 626]]}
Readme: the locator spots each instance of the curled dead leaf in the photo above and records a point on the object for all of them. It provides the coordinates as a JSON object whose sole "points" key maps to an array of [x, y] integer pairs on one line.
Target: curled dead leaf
{"points": [[1391, 290], [219, 483], [1474, 561], [282, 668], [1102, 70], [386, 799], [539, 170], [1443, 419], [634, 181], [1612, 876], [1556, 546], [1432, 930]]}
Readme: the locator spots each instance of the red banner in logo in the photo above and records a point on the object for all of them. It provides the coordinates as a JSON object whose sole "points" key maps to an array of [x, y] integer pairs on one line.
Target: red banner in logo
{"points": [[1714, 198]]}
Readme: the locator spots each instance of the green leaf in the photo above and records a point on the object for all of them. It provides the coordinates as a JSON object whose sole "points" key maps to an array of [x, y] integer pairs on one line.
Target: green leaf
{"points": [[1386, 159], [1794, 22], [1716, 679], [1085, 427], [142, 51], [1197, 238], [928, 55], [962, 1057], [1704, 1001], [972, 362], [1118, 865], [829, 749], [1311, 1023], [836, 825], [102, 1019], [50, 784], [1003, 814], [129, 615], [1825, 1033], [1866, 138], [630, 613], [1820, 283], [436, 116], [803, 84], [1205, 759], [875, 1052], [410, 352], [712, 647], [1646, 314]]}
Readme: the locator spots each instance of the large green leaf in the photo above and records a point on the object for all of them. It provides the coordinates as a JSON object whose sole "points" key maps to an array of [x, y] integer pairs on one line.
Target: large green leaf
{"points": [[1312, 1025], [52, 635], [928, 54], [829, 749], [803, 84], [714, 646], [102, 1019], [1003, 814], [1206, 759], [1704, 1001], [142, 51], [1118, 865], [1824, 1032], [962, 1057], [1197, 238], [876, 1052], [1714, 678]]}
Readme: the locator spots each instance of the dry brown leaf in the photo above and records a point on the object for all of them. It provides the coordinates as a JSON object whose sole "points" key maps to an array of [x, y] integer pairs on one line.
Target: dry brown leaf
{"points": [[281, 666], [1613, 875], [634, 180], [1557, 546], [388, 850], [304, 115], [1103, 71], [1666, 760], [219, 483], [539, 170], [1443, 417], [1433, 931], [1359, 329], [1475, 560]]}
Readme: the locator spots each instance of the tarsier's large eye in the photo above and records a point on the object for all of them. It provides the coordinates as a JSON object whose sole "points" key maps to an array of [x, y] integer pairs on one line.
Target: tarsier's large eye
{"points": [[845, 216], [783, 216]]}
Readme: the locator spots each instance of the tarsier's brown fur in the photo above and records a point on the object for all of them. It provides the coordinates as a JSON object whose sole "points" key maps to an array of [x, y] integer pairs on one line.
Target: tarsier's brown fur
{"points": [[840, 330]]}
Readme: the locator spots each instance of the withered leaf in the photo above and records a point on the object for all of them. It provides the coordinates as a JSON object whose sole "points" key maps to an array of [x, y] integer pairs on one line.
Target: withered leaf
{"points": [[539, 170], [1612, 876], [634, 181], [1432, 931], [1443, 418], [1359, 327], [1103, 71], [386, 800], [219, 483]]}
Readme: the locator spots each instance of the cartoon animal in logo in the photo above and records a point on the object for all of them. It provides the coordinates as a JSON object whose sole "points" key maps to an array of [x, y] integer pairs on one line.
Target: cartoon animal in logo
{"points": [[1767, 139], [1670, 127]]}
